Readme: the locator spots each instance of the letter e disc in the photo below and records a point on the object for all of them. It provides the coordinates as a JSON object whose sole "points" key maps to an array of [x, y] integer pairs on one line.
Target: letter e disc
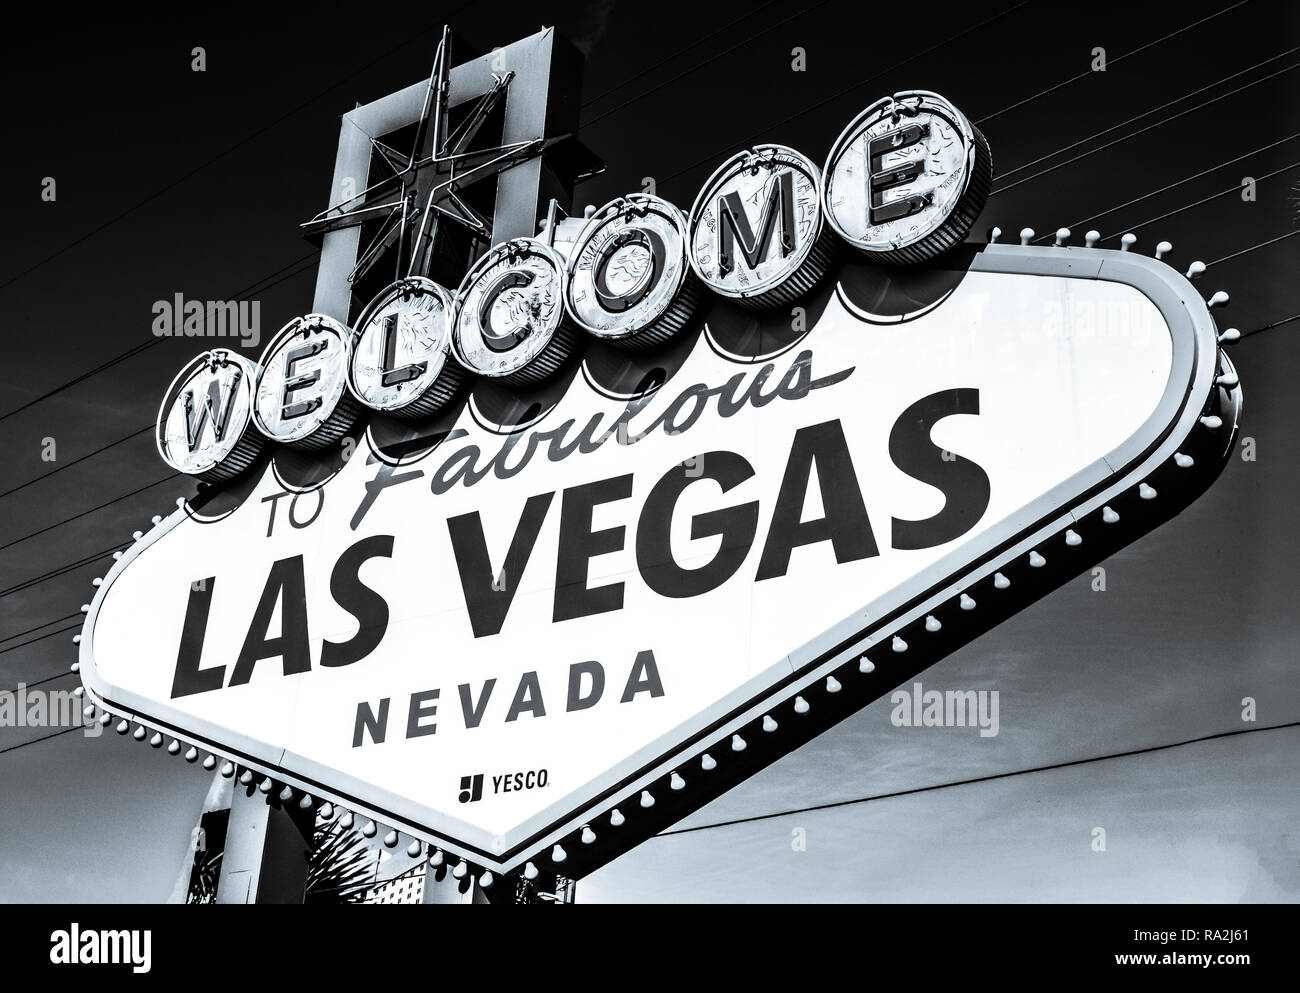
{"points": [[401, 356], [756, 229], [205, 426], [510, 322], [302, 398], [630, 282], [907, 178]]}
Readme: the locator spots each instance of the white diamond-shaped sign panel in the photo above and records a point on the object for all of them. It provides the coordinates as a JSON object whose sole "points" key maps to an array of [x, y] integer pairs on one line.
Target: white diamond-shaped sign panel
{"points": [[510, 632]]}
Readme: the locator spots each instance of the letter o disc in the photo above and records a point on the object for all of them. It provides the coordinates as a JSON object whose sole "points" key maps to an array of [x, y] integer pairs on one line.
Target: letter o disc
{"points": [[907, 178], [756, 229], [302, 398], [401, 355], [510, 322], [630, 282], [205, 426]]}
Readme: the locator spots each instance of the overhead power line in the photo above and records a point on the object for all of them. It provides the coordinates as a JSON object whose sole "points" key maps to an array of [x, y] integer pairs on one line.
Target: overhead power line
{"points": [[61, 570], [77, 461], [1252, 248], [139, 348], [974, 780], [1173, 185], [255, 287], [37, 741], [746, 16], [408, 39], [713, 156], [844, 92], [42, 682], [86, 513], [32, 641], [1110, 62], [111, 444], [1212, 196], [1275, 324], [31, 630], [701, 64], [1146, 113], [1140, 131]]}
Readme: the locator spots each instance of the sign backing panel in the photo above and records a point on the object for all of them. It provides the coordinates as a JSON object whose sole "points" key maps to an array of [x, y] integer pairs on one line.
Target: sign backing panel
{"points": [[1054, 375]]}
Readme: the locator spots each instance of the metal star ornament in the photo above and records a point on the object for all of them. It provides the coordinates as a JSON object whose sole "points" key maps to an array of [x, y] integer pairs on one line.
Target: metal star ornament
{"points": [[423, 190]]}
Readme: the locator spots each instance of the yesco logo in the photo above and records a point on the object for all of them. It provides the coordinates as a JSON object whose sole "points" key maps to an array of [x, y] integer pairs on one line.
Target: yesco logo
{"points": [[471, 787], [77, 947]]}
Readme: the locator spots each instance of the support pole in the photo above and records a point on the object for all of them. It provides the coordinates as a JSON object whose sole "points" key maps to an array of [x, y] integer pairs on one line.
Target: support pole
{"points": [[267, 849]]}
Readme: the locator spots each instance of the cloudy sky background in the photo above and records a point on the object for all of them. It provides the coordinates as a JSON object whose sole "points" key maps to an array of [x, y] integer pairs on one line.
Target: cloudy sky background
{"points": [[173, 181]]}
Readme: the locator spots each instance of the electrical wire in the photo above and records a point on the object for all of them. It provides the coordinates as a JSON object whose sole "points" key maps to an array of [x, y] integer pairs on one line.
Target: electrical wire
{"points": [[701, 64], [130, 353], [61, 570], [77, 461], [24, 644], [1275, 324], [119, 441], [1111, 62], [407, 40], [1170, 186], [32, 630], [1140, 131], [37, 741], [1197, 203], [40, 682], [255, 287], [1146, 113], [974, 780], [946, 41], [84, 513], [747, 15], [1262, 244], [713, 156], [312, 255]]}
